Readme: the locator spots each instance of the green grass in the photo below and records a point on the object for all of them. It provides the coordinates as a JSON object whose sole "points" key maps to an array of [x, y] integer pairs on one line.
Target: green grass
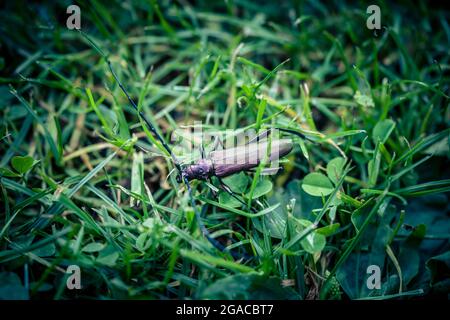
{"points": [[84, 182]]}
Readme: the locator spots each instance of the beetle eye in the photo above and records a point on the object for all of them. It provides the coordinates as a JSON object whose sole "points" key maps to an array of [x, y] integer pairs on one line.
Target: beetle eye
{"points": [[179, 178]]}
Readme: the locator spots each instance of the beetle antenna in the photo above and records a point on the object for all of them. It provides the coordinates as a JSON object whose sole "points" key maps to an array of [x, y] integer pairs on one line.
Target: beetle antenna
{"points": [[133, 104], [301, 135]]}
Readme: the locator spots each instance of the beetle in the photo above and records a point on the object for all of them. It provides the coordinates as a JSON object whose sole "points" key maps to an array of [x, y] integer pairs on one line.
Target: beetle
{"points": [[223, 163], [217, 162]]}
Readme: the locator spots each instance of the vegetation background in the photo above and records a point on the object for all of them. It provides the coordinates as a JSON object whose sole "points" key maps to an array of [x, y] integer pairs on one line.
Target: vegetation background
{"points": [[77, 187]]}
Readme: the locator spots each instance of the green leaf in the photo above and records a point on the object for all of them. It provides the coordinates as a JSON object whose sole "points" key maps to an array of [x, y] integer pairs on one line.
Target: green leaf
{"points": [[372, 222], [259, 116], [11, 287], [313, 242], [275, 224], [5, 172], [248, 287], [237, 182], [144, 241], [253, 65], [373, 167], [383, 130], [240, 212], [335, 168], [328, 230], [363, 100], [439, 267], [22, 164], [48, 136], [262, 187], [93, 247], [108, 257], [150, 223], [317, 184], [226, 199], [45, 251], [100, 113], [304, 149], [136, 179]]}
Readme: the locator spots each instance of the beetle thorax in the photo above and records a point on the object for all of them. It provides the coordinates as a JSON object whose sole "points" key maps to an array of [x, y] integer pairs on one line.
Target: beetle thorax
{"points": [[201, 170]]}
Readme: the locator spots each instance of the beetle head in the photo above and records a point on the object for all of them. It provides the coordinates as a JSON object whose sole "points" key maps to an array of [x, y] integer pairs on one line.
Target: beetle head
{"points": [[201, 170]]}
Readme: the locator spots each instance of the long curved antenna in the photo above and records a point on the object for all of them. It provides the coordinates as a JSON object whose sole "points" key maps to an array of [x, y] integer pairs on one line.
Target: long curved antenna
{"points": [[301, 135], [133, 104], [202, 227]]}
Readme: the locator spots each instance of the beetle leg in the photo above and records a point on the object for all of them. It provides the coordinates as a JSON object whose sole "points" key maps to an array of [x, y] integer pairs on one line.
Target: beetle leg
{"points": [[233, 194], [214, 193], [217, 141], [226, 187]]}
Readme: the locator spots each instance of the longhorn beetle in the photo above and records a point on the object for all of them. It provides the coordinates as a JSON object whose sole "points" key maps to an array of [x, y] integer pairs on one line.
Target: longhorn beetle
{"points": [[215, 163]]}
